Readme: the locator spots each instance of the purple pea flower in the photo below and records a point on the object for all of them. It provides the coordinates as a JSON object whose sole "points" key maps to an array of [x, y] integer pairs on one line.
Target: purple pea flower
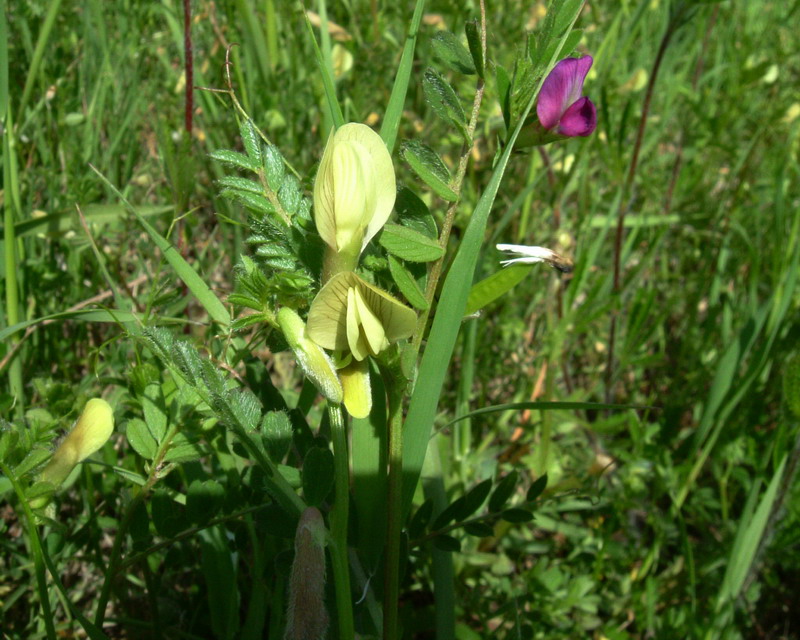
{"points": [[561, 108]]}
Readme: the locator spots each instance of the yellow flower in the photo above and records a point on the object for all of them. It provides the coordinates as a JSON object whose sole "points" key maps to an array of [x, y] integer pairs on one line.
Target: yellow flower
{"points": [[91, 432], [351, 315], [354, 192]]}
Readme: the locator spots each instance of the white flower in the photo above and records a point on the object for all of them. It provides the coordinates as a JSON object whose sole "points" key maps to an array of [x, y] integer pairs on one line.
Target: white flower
{"points": [[532, 255]]}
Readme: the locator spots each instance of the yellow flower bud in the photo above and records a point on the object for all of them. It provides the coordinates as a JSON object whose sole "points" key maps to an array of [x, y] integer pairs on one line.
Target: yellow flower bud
{"points": [[90, 433], [314, 362], [354, 190]]}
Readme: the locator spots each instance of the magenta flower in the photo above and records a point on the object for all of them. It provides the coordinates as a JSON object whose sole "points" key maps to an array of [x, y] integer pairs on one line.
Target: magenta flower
{"points": [[561, 108]]}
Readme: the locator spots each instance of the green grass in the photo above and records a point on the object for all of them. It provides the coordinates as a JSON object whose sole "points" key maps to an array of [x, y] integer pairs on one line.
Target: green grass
{"points": [[674, 517]]}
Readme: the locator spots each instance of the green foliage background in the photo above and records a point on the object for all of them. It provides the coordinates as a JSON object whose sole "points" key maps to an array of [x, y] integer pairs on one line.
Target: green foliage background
{"points": [[677, 519]]}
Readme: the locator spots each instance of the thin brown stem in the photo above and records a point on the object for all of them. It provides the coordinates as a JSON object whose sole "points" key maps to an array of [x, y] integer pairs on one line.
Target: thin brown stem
{"points": [[188, 65], [627, 189], [698, 72]]}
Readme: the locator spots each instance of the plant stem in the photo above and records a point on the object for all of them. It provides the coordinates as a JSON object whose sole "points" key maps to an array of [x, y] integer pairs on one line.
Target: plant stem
{"points": [[339, 519], [391, 586], [114, 561], [15, 381], [36, 551], [188, 67]]}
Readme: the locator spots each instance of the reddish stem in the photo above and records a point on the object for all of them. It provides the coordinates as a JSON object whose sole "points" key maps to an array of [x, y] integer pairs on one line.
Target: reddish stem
{"points": [[188, 64]]}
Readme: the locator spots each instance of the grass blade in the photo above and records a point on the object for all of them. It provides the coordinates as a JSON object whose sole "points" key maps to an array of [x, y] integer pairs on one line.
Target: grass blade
{"points": [[327, 76], [394, 110]]}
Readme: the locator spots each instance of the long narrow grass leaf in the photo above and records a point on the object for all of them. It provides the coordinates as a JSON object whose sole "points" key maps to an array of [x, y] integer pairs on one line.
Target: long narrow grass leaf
{"points": [[327, 79], [391, 119]]}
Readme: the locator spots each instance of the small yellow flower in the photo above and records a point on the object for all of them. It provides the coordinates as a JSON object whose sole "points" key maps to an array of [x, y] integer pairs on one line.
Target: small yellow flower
{"points": [[352, 316], [91, 432]]}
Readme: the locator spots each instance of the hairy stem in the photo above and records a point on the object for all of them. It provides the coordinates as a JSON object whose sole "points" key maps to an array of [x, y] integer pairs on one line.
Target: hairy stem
{"points": [[36, 552]]}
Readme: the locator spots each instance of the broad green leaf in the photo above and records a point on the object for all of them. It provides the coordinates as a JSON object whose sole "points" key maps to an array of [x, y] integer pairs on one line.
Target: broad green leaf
{"points": [[251, 141], [447, 48], [34, 459], [473, 31], [183, 449], [169, 517], [504, 490], [8, 441], [444, 101], [140, 438], [407, 284], [517, 515], [253, 201], [479, 529], [490, 289], [220, 577], [273, 167], [369, 452], [155, 411], [414, 213], [566, 13], [409, 245], [421, 519], [430, 168], [474, 499], [276, 432], [536, 488], [238, 183], [41, 489], [503, 81], [289, 195], [449, 514]]}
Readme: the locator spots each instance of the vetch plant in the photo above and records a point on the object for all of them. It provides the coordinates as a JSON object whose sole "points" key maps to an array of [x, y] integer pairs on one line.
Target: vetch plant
{"points": [[328, 278], [562, 110]]}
